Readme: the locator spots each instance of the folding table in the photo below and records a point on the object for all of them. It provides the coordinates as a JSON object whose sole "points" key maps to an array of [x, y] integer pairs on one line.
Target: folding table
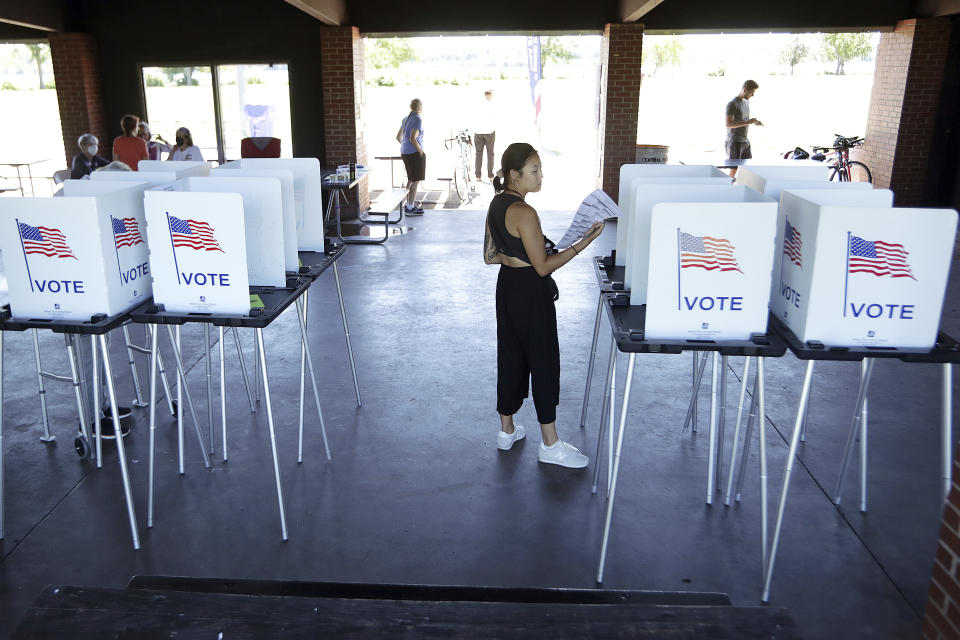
{"points": [[97, 328], [945, 352], [333, 205], [627, 325]]}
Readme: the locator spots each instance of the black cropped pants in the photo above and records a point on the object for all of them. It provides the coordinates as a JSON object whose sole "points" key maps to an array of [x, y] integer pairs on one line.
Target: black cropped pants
{"points": [[527, 344]]}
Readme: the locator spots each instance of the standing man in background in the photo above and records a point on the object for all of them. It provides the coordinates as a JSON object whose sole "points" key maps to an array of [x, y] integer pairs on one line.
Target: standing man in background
{"points": [[738, 122], [485, 133]]}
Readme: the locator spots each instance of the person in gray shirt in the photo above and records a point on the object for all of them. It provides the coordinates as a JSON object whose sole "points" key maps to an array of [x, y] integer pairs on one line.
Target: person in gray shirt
{"points": [[738, 123]]}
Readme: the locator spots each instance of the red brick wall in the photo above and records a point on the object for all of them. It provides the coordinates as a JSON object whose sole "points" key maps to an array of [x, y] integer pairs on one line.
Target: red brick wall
{"points": [[74, 57], [622, 44], [903, 106], [942, 616], [341, 69]]}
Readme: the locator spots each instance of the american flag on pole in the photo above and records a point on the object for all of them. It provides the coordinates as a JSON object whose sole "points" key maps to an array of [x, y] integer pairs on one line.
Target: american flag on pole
{"points": [[878, 258], [792, 244], [126, 232], [534, 72], [193, 234], [706, 252], [46, 241]]}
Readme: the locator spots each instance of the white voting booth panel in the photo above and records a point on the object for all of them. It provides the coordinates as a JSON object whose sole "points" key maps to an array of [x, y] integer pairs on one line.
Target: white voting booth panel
{"points": [[307, 194], [638, 260], [66, 259], [198, 254], [757, 177], [262, 220], [150, 177], [183, 168], [710, 268], [853, 271], [285, 176], [775, 187], [655, 173]]}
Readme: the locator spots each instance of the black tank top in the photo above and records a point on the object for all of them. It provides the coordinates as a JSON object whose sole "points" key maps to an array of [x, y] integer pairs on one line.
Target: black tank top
{"points": [[505, 242]]}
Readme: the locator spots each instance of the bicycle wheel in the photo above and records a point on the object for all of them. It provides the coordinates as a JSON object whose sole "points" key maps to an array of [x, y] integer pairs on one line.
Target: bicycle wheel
{"points": [[460, 179], [859, 172]]}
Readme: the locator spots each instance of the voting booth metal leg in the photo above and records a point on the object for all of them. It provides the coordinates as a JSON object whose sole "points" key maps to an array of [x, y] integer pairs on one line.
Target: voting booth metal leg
{"points": [[154, 350], [855, 427], [301, 311], [946, 427], [593, 354], [607, 394], [721, 420], [121, 449], [180, 383], [95, 384], [186, 391], [616, 467], [712, 449], [785, 487], [208, 366], [163, 373], [762, 432], [256, 367], [223, 396], [273, 433], [346, 332], [692, 409], [243, 369], [43, 392], [736, 431], [138, 402], [78, 393], [313, 379], [746, 440], [864, 430]]}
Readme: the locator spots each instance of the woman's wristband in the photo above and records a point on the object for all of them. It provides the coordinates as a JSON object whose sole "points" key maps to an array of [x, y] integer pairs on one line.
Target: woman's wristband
{"points": [[574, 247]]}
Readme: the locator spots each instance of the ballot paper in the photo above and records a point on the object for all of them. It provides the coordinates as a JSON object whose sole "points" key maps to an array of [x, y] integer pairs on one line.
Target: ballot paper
{"points": [[596, 207]]}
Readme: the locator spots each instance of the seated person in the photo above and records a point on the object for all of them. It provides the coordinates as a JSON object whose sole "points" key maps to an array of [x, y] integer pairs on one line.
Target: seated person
{"points": [[87, 160], [185, 149], [128, 148]]}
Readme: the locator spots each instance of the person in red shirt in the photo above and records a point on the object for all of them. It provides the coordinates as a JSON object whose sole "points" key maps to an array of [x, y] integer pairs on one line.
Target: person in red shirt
{"points": [[128, 148]]}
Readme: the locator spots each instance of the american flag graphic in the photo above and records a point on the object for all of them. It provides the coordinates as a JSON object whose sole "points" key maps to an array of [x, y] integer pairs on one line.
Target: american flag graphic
{"points": [[707, 253], [878, 258], [792, 244], [45, 241], [126, 233], [193, 234]]}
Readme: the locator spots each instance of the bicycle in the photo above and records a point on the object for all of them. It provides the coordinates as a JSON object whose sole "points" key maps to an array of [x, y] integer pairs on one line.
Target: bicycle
{"points": [[463, 162], [844, 169]]}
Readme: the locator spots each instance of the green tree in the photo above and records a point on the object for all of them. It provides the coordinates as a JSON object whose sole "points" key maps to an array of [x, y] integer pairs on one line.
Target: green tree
{"points": [[553, 50], [665, 53], [844, 46], [186, 81], [390, 52], [39, 53], [794, 53]]}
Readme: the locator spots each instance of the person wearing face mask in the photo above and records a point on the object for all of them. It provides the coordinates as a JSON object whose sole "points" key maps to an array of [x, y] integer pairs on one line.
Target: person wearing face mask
{"points": [[528, 348], [154, 147], [185, 149], [87, 161], [128, 148]]}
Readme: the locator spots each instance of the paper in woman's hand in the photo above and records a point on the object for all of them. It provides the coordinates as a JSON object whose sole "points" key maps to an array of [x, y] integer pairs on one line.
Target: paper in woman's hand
{"points": [[596, 207]]}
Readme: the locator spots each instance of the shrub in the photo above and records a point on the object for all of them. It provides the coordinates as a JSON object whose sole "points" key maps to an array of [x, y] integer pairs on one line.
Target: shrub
{"points": [[254, 80], [8, 87], [154, 81]]}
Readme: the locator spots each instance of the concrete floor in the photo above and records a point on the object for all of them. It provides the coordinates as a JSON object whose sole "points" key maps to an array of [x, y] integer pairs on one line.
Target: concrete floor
{"points": [[418, 493]]}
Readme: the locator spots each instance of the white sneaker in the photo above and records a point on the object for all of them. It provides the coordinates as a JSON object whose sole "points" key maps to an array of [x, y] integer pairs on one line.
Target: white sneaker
{"points": [[563, 454], [505, 440]]}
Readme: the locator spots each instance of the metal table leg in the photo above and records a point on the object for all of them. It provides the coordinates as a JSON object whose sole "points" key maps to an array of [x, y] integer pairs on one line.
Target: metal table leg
{"points": [[256, 367], [313, 379], [692, 408], [593, 354], [118, 436], [855, 425], [864, 430], [712, 449], [96, 393], [154, 350], [616, 467], [946, 426], [746, 439], [301, 311], [785, 487], [721, 420], [608, 391], [181, 382], [346, 332], [762, 432], [209, 376], [736, 430], [243, 369], [223, 396], [78, 392], [43, 392], [138, 402], [273, 433], [186, 391]]}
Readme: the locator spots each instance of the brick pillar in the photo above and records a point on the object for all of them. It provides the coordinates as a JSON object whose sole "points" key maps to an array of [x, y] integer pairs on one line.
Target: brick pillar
{"points": [[341, 71], [79, 96], [619, 101], [942, 616], [907, 88]]}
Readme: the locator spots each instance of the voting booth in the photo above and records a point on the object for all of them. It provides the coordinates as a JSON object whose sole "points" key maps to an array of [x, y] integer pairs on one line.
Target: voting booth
{"points": [[633, 175], [701, 197], [198, 254], [307, 195], [183, 168], [853, 271], [756, 177], [287, 206], [773, 188], [261, 218], [710, 259], [75, 257], [150, 177]]}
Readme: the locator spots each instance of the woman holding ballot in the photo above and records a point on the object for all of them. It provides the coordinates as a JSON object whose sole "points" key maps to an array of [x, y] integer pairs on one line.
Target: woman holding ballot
{"points": [[527, 343]]}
